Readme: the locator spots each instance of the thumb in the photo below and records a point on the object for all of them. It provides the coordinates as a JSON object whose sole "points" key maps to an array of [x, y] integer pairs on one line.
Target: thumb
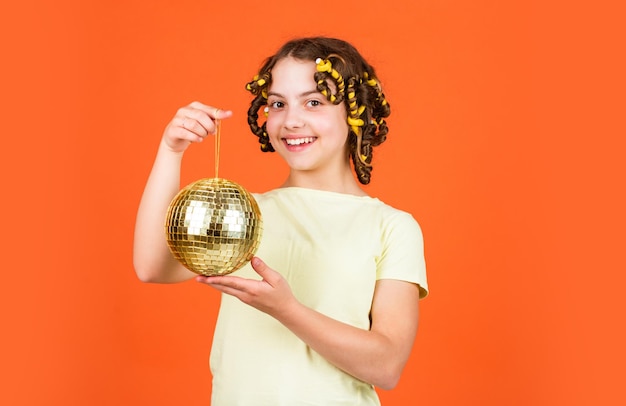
{"points": [[262, 269], [258, 265], [221, 114]]}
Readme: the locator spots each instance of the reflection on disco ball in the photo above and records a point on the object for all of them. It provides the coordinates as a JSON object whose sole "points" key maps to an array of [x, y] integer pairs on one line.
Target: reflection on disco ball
{"points": [[213, 226]]}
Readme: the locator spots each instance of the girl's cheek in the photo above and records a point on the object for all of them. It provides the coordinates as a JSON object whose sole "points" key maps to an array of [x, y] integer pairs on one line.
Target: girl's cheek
{"points": [[270, 125], [272, 120]]}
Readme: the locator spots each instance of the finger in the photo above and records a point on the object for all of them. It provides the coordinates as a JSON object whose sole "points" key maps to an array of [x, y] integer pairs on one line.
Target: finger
{"points": [[222, 114], [233, 282], [264, 271], [212, 111], [178, 129], [206, 115], [241, 295], [199, 122], [234, 286]]}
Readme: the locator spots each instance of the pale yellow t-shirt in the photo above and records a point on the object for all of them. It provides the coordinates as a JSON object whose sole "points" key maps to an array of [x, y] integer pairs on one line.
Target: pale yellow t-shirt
{"points": [[331, 248]]}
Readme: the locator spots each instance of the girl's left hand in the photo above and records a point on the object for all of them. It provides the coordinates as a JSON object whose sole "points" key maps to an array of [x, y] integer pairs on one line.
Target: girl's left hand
{"points": [[270, 295]]}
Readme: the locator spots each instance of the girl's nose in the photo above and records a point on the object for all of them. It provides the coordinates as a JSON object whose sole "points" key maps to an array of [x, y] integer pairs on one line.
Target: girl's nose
{"points": [[293, 118]]}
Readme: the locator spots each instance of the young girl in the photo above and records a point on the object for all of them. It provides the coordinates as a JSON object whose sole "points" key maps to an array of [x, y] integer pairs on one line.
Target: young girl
{"points": [[328, 309]]}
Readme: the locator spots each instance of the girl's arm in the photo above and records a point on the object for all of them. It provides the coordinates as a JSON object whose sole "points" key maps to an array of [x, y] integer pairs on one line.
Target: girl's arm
{"points": [[152, 259], [376, 356]]}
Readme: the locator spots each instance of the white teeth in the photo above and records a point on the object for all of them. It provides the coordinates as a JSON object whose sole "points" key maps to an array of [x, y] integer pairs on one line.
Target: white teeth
{"points": [[298, 141]]}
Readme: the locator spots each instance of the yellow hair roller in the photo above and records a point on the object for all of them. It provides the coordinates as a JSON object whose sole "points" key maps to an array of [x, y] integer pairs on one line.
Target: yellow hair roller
{"points": [[355, 122], [323, 66]]}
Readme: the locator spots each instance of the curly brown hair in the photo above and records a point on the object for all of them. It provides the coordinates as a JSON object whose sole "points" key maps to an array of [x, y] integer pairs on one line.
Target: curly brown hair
{"points": [[339, 62]]}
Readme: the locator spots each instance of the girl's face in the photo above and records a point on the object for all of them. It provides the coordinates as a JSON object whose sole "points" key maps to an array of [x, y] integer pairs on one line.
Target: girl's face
{"points": [[307, 130]]}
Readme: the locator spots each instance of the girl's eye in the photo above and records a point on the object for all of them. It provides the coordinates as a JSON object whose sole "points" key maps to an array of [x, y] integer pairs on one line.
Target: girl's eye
{"points": [[276, 104], [314, 103]]}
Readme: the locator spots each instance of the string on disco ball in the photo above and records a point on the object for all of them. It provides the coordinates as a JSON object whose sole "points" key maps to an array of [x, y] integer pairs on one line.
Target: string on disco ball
{"points": [[218, 129]]}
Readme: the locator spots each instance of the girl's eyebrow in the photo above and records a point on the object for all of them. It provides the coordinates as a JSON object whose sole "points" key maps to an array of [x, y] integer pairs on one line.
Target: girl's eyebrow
{"points": [[301, 95]]}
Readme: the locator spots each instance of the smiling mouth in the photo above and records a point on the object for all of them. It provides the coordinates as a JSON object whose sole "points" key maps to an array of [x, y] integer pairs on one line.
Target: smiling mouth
{"points": [[299, 141]]}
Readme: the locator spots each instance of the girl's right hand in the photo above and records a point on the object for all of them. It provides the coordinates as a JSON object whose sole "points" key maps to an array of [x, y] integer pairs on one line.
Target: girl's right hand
{"points": [[192, 123]]}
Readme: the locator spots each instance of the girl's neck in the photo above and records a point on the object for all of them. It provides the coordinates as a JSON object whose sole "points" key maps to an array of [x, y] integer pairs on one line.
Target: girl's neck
{"points": [[346, 184]]}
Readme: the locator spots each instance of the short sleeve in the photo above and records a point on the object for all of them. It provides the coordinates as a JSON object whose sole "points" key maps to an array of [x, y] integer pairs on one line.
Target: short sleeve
{"points": [[402, 255]]}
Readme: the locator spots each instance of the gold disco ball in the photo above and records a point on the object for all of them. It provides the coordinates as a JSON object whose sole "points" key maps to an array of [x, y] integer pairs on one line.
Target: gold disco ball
{"points": [[213, 226]]}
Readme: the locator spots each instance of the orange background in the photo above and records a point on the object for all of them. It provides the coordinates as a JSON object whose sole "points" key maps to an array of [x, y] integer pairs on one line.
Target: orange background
{"points": [[506, 143]]}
